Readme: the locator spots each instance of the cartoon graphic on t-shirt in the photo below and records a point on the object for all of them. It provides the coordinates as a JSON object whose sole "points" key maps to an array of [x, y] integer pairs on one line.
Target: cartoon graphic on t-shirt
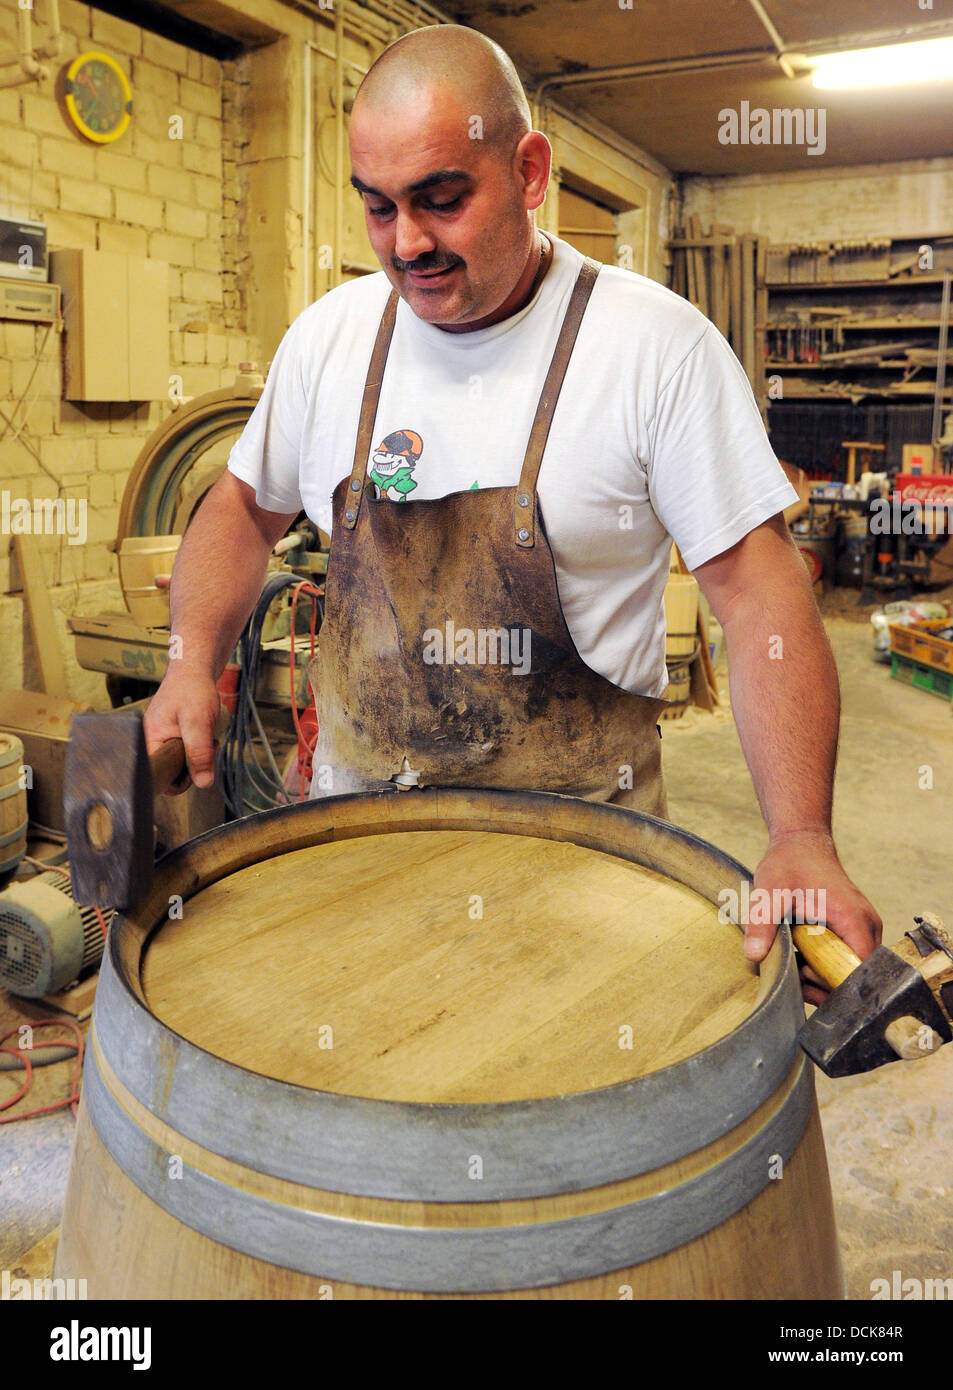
{"points": [[393, 463]]}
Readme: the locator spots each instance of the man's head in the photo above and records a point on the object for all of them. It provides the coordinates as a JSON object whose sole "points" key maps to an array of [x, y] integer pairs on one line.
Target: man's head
{"points": [[449, 170]]}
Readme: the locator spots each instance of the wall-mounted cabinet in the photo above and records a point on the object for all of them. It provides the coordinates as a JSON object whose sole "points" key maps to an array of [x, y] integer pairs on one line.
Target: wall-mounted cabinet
{"points": [[116, 325]]}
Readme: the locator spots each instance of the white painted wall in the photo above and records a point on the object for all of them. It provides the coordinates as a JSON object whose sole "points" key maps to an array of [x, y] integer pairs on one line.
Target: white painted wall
{"points": [[913, 198]]}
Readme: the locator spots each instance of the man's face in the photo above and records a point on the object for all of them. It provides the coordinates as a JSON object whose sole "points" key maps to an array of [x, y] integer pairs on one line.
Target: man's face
{"points": [[446, 214]]}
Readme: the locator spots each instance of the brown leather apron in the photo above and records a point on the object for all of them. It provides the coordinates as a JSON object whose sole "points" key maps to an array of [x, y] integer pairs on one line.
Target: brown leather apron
{"points": [[444, 641]]}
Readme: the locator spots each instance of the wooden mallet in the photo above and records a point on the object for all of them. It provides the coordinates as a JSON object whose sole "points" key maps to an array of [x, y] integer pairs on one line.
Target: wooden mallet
{"points": [[109, 785], [896, 1003]]}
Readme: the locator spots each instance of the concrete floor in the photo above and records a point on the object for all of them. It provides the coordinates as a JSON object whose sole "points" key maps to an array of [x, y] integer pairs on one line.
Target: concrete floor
{"points": [[890, 1133]]}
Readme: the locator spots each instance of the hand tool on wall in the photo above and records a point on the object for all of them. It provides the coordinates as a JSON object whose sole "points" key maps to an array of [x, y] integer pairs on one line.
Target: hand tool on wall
{"points": [[109, 786], [896, 1003]]}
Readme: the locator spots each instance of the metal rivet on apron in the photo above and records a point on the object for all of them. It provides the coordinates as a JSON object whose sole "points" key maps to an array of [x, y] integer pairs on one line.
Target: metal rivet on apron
{"points": [[355, 484], [523, 500], [349, 515], [522, 534]]}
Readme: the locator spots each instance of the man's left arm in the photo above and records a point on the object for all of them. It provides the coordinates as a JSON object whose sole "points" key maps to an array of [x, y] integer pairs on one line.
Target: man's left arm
{"points": [[786, 702]]}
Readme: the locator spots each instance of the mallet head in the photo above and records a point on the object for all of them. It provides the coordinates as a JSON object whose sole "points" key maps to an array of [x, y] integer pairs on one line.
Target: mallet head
{"points": [[846, 1034], [107, 800]]}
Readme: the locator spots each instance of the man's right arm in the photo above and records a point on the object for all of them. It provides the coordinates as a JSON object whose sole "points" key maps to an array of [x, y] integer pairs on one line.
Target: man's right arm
{"points": [[218, 576]]}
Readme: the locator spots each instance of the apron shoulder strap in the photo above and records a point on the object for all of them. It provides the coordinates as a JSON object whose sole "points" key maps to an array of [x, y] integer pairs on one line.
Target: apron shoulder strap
{"points": [[524, 506], [372, 391]]}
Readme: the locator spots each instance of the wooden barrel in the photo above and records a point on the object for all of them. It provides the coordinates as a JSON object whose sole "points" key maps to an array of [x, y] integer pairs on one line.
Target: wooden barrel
{"points": [[141, 558], [13, 809], [446, 1043], [678, 692], [681, 615]]}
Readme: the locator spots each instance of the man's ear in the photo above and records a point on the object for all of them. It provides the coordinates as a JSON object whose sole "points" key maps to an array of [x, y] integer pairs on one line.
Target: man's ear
{"points": [[533, 161]]}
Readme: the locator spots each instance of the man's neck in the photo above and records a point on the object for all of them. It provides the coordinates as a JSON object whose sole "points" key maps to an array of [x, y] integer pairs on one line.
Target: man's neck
{"points": [[538, 263]]}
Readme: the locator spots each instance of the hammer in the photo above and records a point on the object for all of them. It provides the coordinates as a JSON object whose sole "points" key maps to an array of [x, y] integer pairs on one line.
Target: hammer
{"points": [[109, 785], [896, 1003]]}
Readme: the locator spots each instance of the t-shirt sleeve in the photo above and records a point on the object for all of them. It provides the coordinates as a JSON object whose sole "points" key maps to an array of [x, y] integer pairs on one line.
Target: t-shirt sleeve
{"points": [[712, 474], [267, 453]]}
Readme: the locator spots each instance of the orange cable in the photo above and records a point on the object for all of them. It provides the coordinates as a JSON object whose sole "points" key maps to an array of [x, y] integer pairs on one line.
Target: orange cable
{"points": [[313, 593], [72, 1100]]}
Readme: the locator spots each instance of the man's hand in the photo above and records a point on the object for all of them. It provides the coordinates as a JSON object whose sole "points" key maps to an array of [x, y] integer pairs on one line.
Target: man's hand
{"points": [[218, 575], [807, 860], [186, 706]]}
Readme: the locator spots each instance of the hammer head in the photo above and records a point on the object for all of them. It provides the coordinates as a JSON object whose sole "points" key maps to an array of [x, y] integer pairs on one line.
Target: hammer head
{"points": [[845, 1035], [107, 800]]}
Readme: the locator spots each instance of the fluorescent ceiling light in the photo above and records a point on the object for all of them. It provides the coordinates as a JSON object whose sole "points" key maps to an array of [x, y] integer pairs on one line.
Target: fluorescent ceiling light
{"points": [[928, 60]]}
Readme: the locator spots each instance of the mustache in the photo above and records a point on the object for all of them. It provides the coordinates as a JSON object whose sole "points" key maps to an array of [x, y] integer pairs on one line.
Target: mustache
{"points": [[424, 264]]}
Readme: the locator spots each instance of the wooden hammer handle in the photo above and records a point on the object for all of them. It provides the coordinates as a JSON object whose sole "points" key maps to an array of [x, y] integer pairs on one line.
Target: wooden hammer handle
{"points": [[826, 954], [168, 761]]}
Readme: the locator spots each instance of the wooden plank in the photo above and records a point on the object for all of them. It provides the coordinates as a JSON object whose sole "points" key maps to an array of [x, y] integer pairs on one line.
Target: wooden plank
{"points": [[747, 307], [734, 268], [690, 277], [698, 256], [683, 242], [40, 613], [721, 300], [78, 1000], [679, 277], [760, 326]]}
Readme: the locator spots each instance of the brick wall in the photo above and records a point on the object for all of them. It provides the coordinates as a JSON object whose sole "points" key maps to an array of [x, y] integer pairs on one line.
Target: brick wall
{"points": [[175, 200]]}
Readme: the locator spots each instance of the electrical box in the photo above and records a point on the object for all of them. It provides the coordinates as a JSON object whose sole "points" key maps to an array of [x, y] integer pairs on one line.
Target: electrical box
{"points": [[116, 325], [22, 249], [25, 299]]}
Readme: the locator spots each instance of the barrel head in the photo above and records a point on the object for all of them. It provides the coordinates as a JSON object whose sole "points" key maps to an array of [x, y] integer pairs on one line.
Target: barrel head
{"points": [[845, 1035], [107, 801]]}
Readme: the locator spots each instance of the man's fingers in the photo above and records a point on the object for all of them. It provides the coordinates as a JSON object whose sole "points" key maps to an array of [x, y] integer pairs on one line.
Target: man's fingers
{"points": [[200, 751], [811, 993], [758, 941]]}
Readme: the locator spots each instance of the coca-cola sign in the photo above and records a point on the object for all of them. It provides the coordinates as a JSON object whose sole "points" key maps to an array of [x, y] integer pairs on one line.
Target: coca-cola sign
{"points": [[926, 487]]}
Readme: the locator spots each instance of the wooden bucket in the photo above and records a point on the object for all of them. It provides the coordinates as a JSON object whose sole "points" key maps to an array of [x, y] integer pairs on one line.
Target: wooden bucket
{"points": [[13, 808], [681, 615], [446, 1043], [678, 692], [141, 558]]}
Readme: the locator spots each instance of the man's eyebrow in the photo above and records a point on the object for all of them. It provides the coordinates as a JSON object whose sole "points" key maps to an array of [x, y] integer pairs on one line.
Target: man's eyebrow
{"points": [[434, 180]]}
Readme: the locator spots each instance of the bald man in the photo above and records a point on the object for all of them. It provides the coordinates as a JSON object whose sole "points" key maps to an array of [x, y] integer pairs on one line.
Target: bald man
{"points": [[502, 438]]}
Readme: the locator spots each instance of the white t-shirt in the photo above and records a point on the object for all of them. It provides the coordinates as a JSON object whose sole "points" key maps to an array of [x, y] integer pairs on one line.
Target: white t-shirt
{"points": [[656, 435]]}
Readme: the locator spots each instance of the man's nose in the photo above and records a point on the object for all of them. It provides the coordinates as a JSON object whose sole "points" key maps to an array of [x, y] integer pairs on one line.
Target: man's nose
{"points": [[410, 238]]}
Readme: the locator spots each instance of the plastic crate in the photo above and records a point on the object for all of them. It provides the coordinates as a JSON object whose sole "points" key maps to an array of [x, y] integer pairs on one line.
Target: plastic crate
{"points": [[918, 643], [923, 677]]}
